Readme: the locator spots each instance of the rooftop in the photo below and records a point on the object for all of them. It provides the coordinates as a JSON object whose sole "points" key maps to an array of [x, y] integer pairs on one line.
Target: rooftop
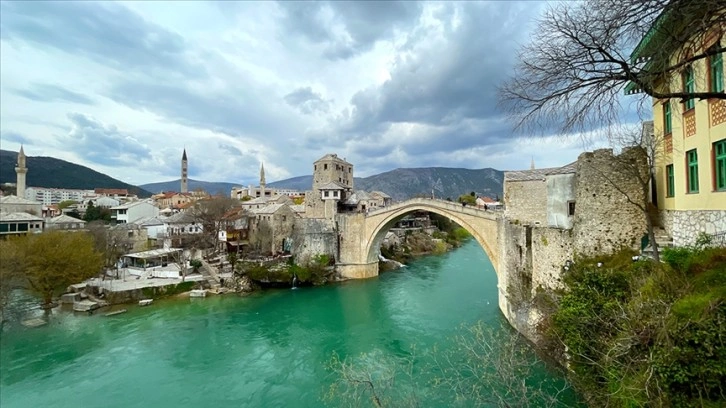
{"points": [[64, 219], [538, 174], [18, 216], [154, 253]]}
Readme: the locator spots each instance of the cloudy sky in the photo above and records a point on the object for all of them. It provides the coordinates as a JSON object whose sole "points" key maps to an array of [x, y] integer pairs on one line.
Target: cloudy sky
{"points": [[124, 87]]}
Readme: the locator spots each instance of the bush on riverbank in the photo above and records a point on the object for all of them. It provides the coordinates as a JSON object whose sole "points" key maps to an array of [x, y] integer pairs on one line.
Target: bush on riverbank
{"points": [[646, 334], [315, 272]]}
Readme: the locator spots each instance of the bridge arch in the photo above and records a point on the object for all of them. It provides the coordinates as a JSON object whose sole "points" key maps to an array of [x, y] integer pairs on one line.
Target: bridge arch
{"points": [[481, 224]]}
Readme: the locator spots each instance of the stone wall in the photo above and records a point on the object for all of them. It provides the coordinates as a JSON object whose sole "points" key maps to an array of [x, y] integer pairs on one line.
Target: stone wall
{"points": [[314, 237], [532, 260], [684, 226], [526, 201], [605, 219]]}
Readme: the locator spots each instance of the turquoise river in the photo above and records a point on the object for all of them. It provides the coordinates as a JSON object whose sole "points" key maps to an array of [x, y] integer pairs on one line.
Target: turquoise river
{"points": [[270, 349]]}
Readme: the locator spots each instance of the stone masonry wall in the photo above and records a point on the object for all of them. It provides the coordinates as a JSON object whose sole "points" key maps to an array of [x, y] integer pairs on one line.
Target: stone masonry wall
{"points": [[684, 226], [605, 220], [526, 201], [551, 249], [313, 237]]}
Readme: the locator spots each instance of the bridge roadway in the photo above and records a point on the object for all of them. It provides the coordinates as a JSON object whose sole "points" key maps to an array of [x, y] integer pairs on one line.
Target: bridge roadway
{"points": [[361, 234]]}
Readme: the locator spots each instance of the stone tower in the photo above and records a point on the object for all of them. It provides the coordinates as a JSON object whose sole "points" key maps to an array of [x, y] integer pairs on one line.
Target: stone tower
{"points": [[21, 170], [332, 183], [262, 180], [184, 169]]}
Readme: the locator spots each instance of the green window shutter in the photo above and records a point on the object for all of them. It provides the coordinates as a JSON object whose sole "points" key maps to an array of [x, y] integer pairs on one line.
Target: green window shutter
{"points": [[671, 183], [689, 86], [667, 118], [719, 151], [692, 156], [717, 72]]}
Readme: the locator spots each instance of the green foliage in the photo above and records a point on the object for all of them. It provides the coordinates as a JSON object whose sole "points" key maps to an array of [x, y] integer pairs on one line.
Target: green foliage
{"points": [[646, 334], [65, 204], [94, 213], [468, 199], [49, 262], [245, 198], [195, 264]]}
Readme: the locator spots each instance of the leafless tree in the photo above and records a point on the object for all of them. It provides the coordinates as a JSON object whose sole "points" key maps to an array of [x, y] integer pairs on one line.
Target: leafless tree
{"points": [[210, 212], [583, 55], [484, 368]]}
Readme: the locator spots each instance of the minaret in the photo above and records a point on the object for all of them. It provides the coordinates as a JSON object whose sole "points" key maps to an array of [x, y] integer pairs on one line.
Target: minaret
{"points": [[184, 187], [531, 165], [262, 180], [21, 171]]}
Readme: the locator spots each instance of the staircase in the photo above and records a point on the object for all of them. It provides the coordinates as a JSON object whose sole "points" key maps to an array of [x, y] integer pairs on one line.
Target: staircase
{"points": [[210, 275], [661, 238]]}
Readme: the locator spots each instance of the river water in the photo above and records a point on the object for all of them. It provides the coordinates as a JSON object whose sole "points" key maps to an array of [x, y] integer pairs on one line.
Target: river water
{"points": [[270, 349]]}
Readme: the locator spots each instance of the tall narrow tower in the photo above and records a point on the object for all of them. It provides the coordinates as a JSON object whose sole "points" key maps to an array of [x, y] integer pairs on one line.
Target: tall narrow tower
{"points": [[184, 187], [21, 170], [262, 180]]}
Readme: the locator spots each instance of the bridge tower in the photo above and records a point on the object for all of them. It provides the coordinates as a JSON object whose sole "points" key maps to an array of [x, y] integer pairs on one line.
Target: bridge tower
{"points": [[332, 183]]}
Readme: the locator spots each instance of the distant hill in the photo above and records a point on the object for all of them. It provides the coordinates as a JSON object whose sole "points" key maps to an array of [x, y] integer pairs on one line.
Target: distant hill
{"points": [[57, 173], [409, 182], [174, 185]]}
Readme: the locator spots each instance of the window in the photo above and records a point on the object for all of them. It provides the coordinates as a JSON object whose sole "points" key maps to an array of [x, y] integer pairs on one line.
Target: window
{"points": [[670, 181], [689, 86], [692, 159], [716, 72], [325, 166], [667, 118], [570, 208], [719, 153], [326, 193]]}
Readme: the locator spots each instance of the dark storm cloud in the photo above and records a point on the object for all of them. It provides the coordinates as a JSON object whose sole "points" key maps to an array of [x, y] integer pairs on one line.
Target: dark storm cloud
{"points": [[107, 33], [102, 144], [307, 101], [363, 22], [233, 113], [454, 81], [15, 137], [52, 93]]}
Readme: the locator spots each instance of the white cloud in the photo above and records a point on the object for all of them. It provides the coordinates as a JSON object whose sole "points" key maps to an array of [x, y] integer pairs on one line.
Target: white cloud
{"points": [[127, 86]]}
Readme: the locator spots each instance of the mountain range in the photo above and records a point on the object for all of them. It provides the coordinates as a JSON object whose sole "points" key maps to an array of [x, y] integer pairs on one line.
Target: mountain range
{"points": [[400, 184], [56, 173]]}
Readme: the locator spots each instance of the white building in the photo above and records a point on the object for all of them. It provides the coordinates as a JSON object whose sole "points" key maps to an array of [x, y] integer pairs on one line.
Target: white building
{"points": [[133, 211], [50, 196]]}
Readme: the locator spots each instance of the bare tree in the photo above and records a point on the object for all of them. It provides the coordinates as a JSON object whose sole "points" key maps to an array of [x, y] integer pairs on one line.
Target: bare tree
{"points": [[210, 212], [584, 55], [484, 368]]}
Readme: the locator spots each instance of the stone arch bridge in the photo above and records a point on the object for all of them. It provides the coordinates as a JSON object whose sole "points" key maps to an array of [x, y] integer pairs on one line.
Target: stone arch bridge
{"points": [[361, 234]]}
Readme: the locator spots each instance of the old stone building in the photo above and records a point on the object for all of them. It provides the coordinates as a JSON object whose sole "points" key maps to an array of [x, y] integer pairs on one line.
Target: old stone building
{"points": [[555, 215], [332, 184]]}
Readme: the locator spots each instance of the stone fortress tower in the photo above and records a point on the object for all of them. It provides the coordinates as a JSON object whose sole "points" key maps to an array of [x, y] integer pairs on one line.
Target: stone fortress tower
{"points": [[184, 172], [21, 170], [332, 183]]}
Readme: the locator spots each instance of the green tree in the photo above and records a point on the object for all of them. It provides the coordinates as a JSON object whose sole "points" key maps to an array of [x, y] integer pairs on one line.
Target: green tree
{"points": [[10, 266], [65, 204], [468, 199], [55, 259]]}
